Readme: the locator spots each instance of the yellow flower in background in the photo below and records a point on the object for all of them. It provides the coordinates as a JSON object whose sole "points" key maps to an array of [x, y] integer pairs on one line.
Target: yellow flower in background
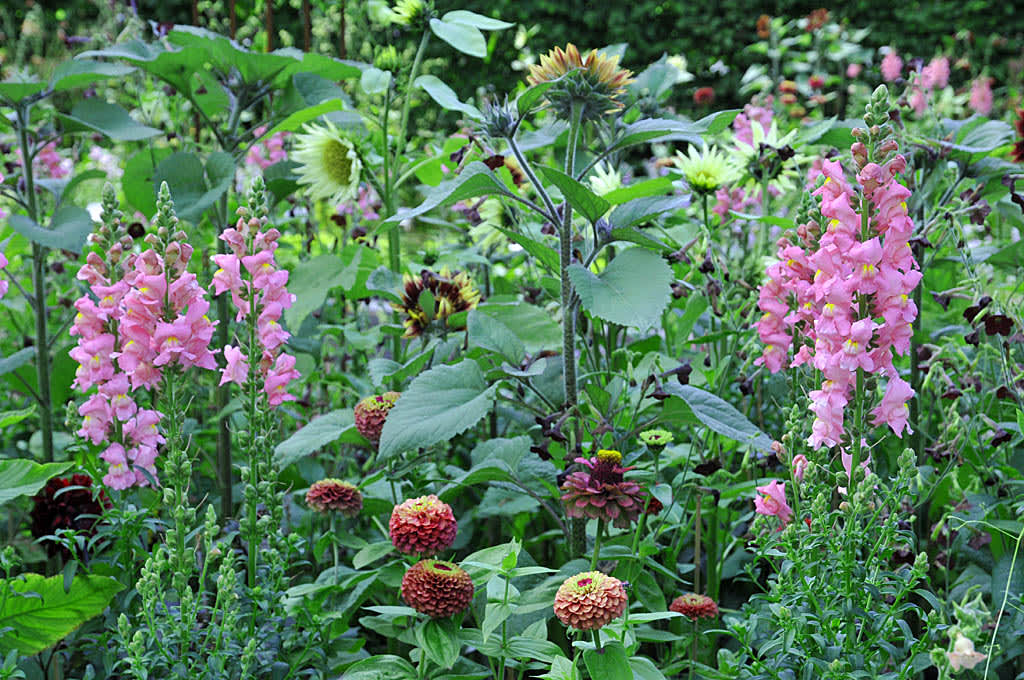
{"points": [[329, 164], [406, 12], [594, 82], [706, 170]]}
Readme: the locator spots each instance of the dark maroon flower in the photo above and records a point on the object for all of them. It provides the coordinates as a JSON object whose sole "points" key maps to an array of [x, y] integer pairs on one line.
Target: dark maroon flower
{"points": [[66, 503]]}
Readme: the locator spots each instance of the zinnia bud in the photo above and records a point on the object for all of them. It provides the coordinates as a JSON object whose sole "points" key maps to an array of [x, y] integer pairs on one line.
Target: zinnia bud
{"points": [[694, 606], [422, 526], [336, 495], [437, 589], [590, 600], [371, 413]]}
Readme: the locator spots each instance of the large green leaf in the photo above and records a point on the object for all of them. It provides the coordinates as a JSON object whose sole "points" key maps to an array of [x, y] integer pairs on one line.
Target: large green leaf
{"points": [[532, 325], [720, 416], [438, 405], [39, 613], [633, 290], [439, 639], [611, 661], [381, 667], [490, 333], [311, 281], [70, 227], [463, 37], [109, 119], [194, 188], [476, 179], [643, 209], [22, 477], [589, 204], [317, 433], [445, 96], [79, 72]]}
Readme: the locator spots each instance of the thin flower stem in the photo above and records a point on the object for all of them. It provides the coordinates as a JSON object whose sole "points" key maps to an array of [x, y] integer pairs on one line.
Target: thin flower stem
{"points": [[597, 639], [597, 544], [565, 259], [39, 288]]}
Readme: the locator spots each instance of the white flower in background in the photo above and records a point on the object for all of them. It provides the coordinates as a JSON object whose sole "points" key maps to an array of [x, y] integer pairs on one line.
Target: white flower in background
{"points": [[963, 654], [329, 164], [605, 179], [706, 170]]}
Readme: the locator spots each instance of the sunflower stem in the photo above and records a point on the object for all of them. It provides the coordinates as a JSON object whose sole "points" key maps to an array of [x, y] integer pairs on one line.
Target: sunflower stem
{"points": [[565, 257]]}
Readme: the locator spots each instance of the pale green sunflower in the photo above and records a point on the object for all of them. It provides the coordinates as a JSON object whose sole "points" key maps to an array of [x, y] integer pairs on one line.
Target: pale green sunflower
{"points": [[705, 170], [329, 163], [605, 179]]}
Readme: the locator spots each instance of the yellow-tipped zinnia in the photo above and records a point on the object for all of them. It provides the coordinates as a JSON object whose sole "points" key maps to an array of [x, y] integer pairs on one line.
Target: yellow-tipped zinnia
{"points": [[329, 163]]}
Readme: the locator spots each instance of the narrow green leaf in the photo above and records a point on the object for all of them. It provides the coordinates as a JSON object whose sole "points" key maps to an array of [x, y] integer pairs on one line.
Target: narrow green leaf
{"points": [[494, 614], [531, 97], [461, 16], [80, 72], [445, 96], [589, 204], [720, 416], [476, 179], [371, 554], [381, 667], [641, 210], [8, 418], [15, 361]]}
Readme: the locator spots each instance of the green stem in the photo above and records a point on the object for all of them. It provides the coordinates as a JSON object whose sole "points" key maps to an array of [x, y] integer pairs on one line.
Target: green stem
{"points": [[565, 259], [334, 550], [597, 544], [39, 285], [597, 639]]}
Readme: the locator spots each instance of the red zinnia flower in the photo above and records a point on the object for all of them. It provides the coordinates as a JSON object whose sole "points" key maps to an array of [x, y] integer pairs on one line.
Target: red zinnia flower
{"points": [[56, 508], [334, 494], [371, 413], [590, 600], [694, 606], [422, 526], [704, 95], [437, 589]]}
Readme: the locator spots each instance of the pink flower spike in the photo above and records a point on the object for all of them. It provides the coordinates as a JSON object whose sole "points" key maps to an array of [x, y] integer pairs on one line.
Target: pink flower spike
{"points": [[237, 368], [893, 410], [800, 464], [278, 378], [771, 501], [119, 475]]}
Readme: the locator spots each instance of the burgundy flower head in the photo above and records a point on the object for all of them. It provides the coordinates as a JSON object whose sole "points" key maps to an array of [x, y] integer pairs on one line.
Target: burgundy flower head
{"points": [[335, 495], [603, 493], [694, 606], [62, 506], [422, 526], [436, 588], [371, 412]]}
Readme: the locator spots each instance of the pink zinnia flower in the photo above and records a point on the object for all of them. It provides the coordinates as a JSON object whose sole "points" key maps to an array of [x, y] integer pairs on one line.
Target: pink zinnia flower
{"points": [[771, 501]]}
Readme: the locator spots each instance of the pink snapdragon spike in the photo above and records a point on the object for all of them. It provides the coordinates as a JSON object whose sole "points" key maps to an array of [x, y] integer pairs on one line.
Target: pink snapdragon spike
{"points": [[800, 464], [771, 501], [267, 151], [935, 75], [145, 313], [892, 66], [981, 95], [3, 264], [259, 292], [815, 291]]}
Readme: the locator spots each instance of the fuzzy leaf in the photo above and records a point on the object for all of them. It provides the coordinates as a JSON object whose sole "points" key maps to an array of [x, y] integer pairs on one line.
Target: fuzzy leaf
{"points": [[633, 290]]}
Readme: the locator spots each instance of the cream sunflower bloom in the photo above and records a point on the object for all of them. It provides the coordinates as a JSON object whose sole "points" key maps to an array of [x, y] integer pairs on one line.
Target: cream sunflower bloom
{"points": [[605, 179], [706, 170], [329, 164]]}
